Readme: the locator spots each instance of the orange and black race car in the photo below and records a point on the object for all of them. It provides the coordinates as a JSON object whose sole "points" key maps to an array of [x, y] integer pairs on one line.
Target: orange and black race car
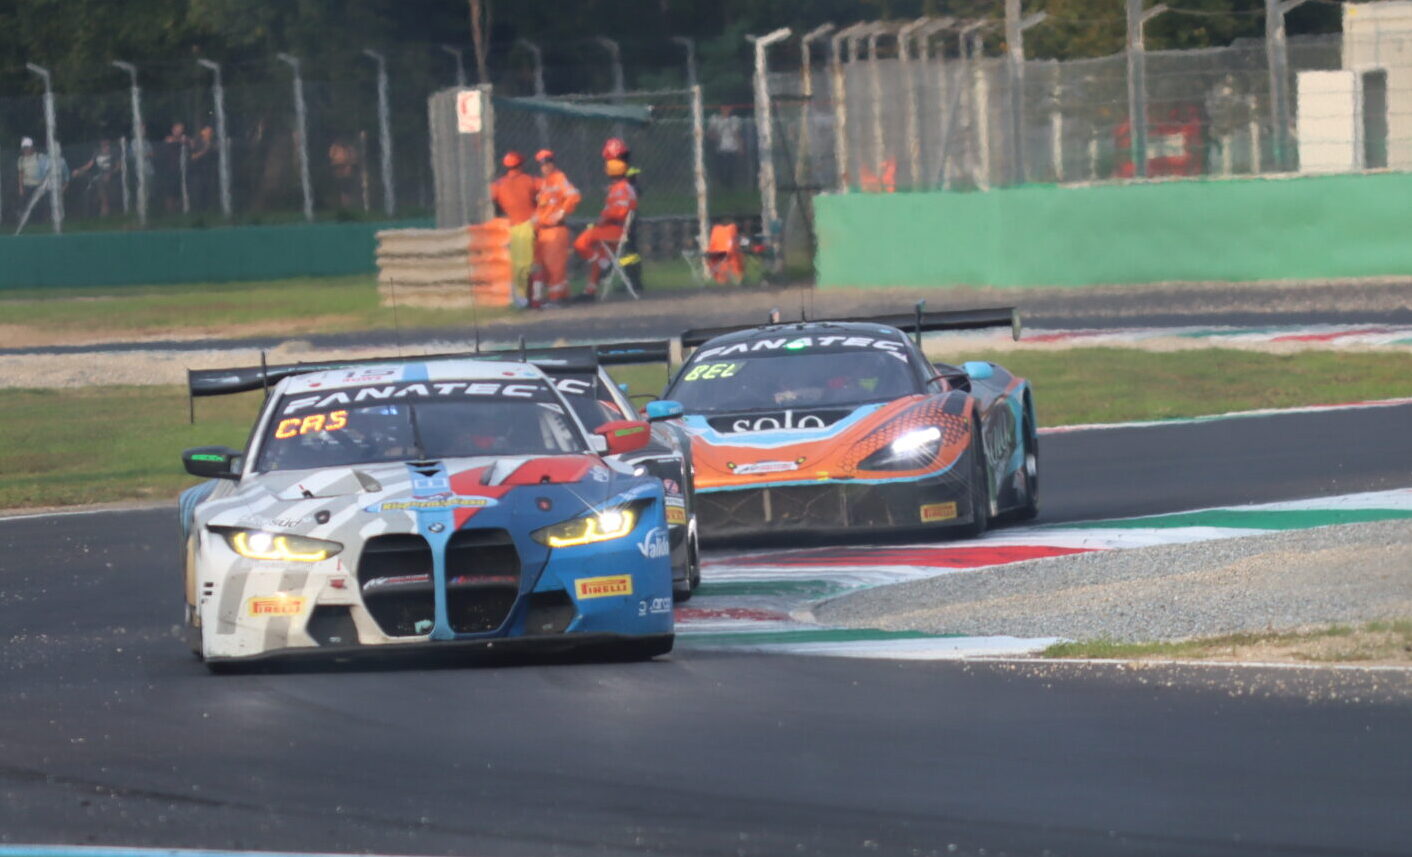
{"points": [[831, 425]]}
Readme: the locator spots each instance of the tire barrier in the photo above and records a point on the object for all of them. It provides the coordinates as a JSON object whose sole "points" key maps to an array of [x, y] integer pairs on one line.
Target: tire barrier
{"points": [[460, 267]]}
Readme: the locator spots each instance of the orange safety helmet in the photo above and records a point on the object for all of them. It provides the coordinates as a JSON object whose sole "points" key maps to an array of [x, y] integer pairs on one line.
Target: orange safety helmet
{"points": [[544, 155], [616, 167], [614, 149], [512, 159]]}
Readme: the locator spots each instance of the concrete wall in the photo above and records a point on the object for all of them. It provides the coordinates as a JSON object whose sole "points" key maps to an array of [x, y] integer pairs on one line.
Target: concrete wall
{"points": [[1315, 227], [189, 255]]}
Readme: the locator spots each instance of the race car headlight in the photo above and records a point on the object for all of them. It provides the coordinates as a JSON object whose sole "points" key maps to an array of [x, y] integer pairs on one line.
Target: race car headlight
{"points": [[282, 547], [912, 450], [603, 526]]}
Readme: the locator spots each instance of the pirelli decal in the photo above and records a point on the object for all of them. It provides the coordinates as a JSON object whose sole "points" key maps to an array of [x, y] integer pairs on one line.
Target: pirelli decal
{"points": [[276, 605], [676, 515], [933, 512], [602, 587]]}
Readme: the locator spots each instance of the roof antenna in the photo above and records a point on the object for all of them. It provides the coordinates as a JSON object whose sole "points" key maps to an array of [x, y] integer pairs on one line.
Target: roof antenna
{"points": [[523, 356], [264, 375], [190, 400], [396, 318], [917, 335]]}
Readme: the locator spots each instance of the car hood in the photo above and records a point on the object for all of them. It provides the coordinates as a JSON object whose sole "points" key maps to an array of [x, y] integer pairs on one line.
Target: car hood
{"points": [[328, 501]]}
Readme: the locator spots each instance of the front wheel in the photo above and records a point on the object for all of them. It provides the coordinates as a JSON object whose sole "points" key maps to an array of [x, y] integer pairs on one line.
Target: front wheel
{"points": [[978, 487]]}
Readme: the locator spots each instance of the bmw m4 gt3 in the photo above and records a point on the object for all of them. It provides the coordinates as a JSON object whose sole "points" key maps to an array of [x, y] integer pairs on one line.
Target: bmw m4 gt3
{"points": [[424, 504]]}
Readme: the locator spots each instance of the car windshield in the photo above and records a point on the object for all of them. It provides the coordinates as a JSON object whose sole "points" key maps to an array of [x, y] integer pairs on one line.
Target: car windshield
{"points": [[792, 380], [589, 400], [306, 434]]}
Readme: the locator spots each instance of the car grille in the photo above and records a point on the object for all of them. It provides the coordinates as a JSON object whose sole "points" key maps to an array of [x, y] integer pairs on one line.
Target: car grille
{"points": [[394, 575], [805, 507], [482, 580]]}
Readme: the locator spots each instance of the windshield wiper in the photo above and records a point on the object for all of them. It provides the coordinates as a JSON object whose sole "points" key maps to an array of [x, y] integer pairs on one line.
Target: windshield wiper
{"points": [[416, 433]]}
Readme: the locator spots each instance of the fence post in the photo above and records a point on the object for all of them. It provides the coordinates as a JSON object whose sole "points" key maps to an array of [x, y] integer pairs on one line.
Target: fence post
{"points": [[541, 122], [764, 129], [51, 142], [1277, 54], [1254, 138], [139, 140], [840, 41], [946, 97], [218, 96], [487, 131], [615, 58], [804, 158], [301, 135], [698, 166], [876, 32], [1137, 82], [974, 50], [460, 64], [389, 192], [1056, 133], [690, 44], [1015, 27], [909, 94]]}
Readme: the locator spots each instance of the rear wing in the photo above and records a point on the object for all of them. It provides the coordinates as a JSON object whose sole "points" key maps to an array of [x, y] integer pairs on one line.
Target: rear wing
{"points": [[553, 360], [916, 322]]}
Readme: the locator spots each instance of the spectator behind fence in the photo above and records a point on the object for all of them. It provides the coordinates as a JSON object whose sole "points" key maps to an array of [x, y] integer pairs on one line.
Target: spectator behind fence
{"points": [[33, 181], [343, 162], [32, 168], [100, 172], [727, 132], [201, 169], [168, 165]]}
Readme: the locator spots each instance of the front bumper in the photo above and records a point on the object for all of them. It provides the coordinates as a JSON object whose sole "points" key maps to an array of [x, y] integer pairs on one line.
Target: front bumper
{"points": [[546, 645], [828, 506]]}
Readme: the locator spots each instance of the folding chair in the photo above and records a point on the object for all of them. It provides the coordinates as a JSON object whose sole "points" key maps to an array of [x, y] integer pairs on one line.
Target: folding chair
{"points": [[619, 261]]}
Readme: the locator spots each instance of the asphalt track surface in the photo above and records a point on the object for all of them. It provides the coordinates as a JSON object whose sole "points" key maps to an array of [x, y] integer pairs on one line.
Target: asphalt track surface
{"points": [[111, 733]]}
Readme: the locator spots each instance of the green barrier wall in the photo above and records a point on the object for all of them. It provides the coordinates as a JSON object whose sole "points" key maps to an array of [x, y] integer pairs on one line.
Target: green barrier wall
{"points": [[190, 255], [1328, 227]]}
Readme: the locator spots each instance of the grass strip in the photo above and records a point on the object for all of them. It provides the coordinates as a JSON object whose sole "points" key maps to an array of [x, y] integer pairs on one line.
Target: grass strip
{"points": [[98, 444], [1371, 641]]}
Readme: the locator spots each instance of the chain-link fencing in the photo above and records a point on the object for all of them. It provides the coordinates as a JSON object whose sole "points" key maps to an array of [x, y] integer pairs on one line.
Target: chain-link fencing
{"points": [[942, 116]]}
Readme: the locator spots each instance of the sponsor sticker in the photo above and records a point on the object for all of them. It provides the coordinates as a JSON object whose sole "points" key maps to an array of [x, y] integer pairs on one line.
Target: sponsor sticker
{"points": [[275, 605], [765, 467], [711, 371], [676, 515], [938, 512], [655, 545], [296, 426], [421, 505], [602, 587]]}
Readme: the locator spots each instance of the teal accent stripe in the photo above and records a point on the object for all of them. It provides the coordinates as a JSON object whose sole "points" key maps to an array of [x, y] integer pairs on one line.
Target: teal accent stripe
{"points": [[1253, 519]]}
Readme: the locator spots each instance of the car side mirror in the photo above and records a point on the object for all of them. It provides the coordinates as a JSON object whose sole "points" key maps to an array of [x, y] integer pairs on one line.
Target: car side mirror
{"points": [[212, 462], [663, 409], [624, 435], [978, 369]]}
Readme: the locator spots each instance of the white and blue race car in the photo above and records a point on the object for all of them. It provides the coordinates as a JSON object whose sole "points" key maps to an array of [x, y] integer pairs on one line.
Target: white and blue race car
{"points": [[385, 507]]}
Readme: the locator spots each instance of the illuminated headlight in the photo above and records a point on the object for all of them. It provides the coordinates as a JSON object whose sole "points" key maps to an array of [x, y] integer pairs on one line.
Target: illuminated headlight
{"points": [[604, 526], [911, 451], [280, 547]]}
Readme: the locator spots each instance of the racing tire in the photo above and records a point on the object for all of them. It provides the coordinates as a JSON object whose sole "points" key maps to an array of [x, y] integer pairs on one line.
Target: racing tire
{"points": [[978, 486], [1029, 509], [683, 589]]}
